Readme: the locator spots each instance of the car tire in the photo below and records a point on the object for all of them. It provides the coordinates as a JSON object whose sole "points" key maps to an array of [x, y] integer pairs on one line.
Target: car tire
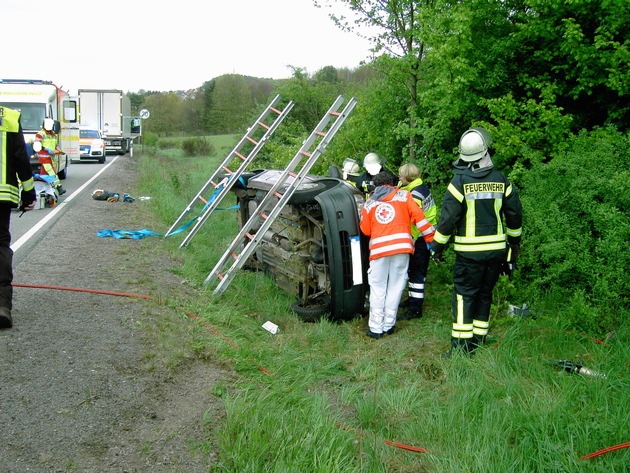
{"points": [[312, 312]]}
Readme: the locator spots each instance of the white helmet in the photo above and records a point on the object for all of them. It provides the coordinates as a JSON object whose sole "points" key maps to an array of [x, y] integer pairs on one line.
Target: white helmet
{"points": [[48, 124], [472, 145], [350, 167], [373, 163]]}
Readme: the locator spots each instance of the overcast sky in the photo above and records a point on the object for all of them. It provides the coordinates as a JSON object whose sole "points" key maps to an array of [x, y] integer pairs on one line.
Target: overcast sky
{"points": [[151, 45]]}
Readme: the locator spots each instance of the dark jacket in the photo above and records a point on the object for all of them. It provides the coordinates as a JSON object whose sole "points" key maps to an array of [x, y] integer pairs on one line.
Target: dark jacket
{"points": [[14, 160], [481, 210]]}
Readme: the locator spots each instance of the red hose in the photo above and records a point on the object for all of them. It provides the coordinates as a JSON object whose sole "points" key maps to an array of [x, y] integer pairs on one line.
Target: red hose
{"points": [[606, 450]]}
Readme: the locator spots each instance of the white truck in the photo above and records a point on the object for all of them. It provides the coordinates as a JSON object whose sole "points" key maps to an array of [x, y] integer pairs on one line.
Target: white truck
{"points": [[39, 99], [110, 112]]}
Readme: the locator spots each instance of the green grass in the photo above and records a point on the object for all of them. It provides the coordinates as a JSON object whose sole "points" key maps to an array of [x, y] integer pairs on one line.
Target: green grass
{"points": [[325, 398]]}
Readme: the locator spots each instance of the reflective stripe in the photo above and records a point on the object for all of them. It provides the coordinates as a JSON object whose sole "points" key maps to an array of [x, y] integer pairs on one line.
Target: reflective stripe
{"points": [[389, 248], [453, 190], [514, 232], [480, 247], [460, 310], [386, 238], [443, 239], [480, 239]]}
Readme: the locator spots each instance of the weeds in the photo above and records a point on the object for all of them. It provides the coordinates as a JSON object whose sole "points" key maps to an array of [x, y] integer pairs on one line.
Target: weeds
{"points": [[323, 397]]}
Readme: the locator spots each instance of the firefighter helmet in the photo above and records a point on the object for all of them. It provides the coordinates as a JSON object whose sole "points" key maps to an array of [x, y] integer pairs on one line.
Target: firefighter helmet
{"points": [[373, 163], [350, 167], [473, 145]]}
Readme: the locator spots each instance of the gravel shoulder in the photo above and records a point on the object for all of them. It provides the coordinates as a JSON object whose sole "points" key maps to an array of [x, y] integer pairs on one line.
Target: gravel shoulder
{"points": [[87, 381]]}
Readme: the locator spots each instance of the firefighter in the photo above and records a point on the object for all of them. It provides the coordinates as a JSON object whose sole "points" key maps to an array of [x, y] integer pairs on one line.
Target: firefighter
{"points": [[373, 164], [409, 176], [46, 154], [351, 171], [16, 168], [385, 220], [483, 213]]}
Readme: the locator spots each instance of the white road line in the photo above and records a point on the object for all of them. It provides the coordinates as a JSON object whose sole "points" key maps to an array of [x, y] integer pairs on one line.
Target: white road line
{"points": [[28, 235]]}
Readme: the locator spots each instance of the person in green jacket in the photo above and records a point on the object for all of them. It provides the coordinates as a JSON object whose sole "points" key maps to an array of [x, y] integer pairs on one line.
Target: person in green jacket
{"points": [[410, 180]]}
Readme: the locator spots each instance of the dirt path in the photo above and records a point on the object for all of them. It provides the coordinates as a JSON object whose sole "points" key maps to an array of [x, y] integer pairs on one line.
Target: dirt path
{"points": [[85, 383]]}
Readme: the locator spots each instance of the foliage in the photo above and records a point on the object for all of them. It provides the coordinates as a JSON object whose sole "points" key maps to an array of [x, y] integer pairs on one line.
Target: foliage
{"points": [[197, 147], [323, 397], [231, 105], [576, 225]]}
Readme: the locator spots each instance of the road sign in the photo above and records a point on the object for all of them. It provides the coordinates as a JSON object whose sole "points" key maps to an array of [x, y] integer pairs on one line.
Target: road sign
{"points": [[144, 113]]}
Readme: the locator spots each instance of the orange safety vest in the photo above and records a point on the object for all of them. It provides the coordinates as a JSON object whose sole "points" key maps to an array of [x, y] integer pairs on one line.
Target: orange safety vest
{"points": [[386, 222]]}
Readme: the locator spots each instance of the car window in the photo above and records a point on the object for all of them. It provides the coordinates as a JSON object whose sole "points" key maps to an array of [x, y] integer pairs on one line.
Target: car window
{"points": [[89, 134]]}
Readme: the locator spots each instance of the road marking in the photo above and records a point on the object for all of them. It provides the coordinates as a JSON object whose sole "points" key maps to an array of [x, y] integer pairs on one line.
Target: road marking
{"points": [[28, 235]]}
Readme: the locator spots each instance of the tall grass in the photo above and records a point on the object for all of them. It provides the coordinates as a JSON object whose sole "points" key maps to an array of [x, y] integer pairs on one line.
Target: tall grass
{"points": [[325, 398]]}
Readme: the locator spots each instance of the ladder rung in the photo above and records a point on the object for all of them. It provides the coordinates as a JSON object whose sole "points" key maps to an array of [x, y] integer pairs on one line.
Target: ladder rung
{"points": [[240, 155], [321, 133], [252, 140], [278, 195], [306, 153], [235, 255], [202, 199], [275, 110], [227, 169], [336, 114], [250, 236], [262, 214], [220, 276], [264, 125]]}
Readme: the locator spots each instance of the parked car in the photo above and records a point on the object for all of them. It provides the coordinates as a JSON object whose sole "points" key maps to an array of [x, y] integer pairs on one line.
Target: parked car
{"points": [[92, 144], [314, 248]]}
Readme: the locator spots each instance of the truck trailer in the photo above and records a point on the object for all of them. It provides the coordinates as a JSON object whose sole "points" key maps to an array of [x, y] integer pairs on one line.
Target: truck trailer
{"points": [[109, 111], [38, 99]]}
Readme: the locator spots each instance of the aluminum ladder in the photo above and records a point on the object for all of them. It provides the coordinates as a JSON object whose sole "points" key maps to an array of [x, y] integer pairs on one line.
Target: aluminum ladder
{"points": [[245, 242], [213, 192]]}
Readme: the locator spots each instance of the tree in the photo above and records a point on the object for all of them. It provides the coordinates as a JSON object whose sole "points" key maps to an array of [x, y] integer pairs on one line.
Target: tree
{"points": [[166, 113], [397, 32], [232, 105]]}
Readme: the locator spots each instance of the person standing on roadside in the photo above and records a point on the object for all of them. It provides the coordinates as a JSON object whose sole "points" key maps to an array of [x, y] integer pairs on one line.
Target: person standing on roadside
{"points": [[385, 220], [409, 176], [16, 168], [478, 199], [49, 142]]}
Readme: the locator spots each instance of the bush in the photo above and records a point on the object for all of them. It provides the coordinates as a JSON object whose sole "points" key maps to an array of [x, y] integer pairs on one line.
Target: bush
{"points": [[197, 147], [149, 139], [576, 226]]}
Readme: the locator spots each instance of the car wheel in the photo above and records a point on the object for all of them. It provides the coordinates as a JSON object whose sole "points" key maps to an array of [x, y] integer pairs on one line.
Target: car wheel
{"points": [[312, 312]]}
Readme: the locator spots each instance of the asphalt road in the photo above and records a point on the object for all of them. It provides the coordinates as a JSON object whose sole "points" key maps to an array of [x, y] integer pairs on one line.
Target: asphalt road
{"points": [[80, 388]]}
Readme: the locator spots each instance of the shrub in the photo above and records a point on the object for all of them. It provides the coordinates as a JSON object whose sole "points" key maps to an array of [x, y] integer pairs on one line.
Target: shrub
{"points": [[197, 147], [149, 139], [576, 226]]}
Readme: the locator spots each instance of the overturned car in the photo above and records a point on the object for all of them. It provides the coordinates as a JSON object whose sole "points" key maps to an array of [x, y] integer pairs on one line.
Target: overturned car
{"points": [[314, 248]]}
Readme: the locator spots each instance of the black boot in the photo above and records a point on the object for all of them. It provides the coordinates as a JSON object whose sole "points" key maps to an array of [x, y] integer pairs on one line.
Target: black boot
{"points": [[61, 190], [5, 318]]}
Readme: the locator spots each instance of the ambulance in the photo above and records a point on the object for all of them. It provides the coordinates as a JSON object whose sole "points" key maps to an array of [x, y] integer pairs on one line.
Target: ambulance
{"points": [[39, 99]]}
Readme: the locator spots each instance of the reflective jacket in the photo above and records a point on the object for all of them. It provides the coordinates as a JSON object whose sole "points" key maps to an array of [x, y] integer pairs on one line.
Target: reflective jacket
{"points": [[385, 219], [15, 162], [422, 195], [475, 204], [48, 139]]}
